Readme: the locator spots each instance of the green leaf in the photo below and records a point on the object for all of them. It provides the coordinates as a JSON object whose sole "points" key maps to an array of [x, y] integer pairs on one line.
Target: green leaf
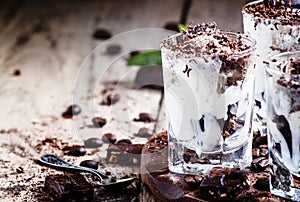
{"points": [[182, 27], [152, 57]]}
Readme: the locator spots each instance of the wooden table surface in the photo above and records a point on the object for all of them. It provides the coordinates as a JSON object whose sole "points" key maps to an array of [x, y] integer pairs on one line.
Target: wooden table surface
{"points": [[52, 45]]}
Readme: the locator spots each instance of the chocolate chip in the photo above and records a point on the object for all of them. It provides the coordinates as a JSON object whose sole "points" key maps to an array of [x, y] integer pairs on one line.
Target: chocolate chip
{"points": [[144, 132], [99, 122], [124, 141], [16, 72], [102, 33], [144, 117], [113, 49], [71, 111], [89, 164], [262, 184], [76, 150], [109, 138], [93, 143]]}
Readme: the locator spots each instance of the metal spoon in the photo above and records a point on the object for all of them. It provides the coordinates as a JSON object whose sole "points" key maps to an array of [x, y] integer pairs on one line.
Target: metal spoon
{"points": [[57, 163]]}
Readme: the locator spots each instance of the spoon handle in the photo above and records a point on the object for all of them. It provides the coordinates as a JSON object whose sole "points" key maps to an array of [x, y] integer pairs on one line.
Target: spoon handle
{"points": [[57, 163]]}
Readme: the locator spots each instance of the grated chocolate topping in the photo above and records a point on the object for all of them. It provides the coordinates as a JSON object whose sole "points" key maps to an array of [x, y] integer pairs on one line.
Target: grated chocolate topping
{"points": [[284, 13]]}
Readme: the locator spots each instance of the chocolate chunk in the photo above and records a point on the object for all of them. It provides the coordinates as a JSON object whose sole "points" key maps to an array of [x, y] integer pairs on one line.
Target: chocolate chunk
{"points": [[144, 117], [89, 164], [109, 138], [144, 132], [262, 184], [93, 143], [124, 154], [223, 184], [76, 150], [68, 188], [259, 164], [99, 122], [102, 33], [71, 111]]}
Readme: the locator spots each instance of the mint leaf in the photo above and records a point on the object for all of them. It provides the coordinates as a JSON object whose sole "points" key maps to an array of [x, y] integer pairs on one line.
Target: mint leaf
{"points": [[182, 27], [152, 57]]}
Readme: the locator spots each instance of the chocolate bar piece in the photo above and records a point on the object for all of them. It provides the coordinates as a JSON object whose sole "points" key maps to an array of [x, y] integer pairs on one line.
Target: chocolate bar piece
{"points": [[223, 184], [69, 187]]}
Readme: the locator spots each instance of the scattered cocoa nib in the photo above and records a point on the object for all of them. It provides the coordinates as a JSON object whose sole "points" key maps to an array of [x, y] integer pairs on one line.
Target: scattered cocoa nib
{"points": [[71, 111], [144, 117], [16, 72], [75, 150], [283, 13], [102, 34], [109, 138], [144, 132], [93, 143], [90, 164], [99, 122], [69, 187]]}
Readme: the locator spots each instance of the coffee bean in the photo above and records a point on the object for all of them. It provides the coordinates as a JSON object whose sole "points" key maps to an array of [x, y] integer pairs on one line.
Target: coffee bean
{"points": [[16, 72], [76, 150], [124, 141], [102, 33], [71, 111], [93, 143], [89, 164], [113, 49], [144, 132], [109, 138], [99, 122], [145, 117], [262, 184]]}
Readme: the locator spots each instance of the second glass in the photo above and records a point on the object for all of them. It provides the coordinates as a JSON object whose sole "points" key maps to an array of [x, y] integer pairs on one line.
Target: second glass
{"points": [[209, 84]]}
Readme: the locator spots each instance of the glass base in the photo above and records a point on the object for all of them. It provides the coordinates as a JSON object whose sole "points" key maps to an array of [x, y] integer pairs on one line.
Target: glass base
{"points": [[186, 161]]}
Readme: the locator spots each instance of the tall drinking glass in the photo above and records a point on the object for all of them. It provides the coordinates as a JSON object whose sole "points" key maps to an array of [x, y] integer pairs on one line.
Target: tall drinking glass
{"points": [[283, 104], [209, 84]]}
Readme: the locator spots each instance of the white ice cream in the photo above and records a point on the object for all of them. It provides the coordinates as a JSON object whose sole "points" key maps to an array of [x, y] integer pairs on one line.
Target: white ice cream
{"points": [[192, 97]]}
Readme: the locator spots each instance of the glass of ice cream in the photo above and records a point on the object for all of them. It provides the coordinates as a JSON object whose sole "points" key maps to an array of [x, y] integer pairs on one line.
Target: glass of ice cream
{"points": [[276, 29], [283, 112], [209, 84]]}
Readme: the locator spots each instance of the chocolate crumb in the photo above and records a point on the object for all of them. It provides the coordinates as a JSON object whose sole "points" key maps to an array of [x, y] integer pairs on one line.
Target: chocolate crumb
{"points": [[102, 34], [144, 117], [16, 72]]}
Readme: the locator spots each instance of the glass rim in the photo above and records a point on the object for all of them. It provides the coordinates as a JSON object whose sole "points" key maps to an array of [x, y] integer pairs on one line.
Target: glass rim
{"points": [[271, 66], [268, 20], [245, 37]]}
